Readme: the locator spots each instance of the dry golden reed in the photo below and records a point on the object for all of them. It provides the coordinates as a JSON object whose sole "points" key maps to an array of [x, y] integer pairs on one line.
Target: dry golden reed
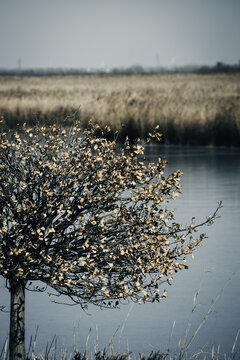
{"points": [[190, 108]]}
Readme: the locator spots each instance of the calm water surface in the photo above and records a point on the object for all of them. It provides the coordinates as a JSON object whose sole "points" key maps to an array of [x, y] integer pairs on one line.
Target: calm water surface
{"points": [[209, 175]]}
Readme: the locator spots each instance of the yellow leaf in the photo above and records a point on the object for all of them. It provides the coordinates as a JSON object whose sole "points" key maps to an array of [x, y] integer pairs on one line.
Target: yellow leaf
{"points": [[165, 294]]}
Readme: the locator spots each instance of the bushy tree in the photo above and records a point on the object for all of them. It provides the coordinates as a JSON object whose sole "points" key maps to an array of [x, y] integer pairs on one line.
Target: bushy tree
{"points": [[87, 218]]}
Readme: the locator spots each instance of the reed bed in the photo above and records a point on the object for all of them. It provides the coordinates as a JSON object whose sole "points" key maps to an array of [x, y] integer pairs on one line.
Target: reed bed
{"points": [[190, 108]]}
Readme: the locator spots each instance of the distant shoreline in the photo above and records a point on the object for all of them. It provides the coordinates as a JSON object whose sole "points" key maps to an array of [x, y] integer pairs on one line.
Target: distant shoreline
{"points": [[136, 69]]}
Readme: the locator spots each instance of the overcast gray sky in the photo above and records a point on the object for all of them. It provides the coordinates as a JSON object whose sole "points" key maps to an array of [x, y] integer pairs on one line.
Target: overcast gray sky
{"points": [[115, 33]]}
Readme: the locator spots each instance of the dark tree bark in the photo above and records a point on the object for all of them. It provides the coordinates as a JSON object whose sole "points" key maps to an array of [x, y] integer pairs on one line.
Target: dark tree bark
{"points": [[17, 319]]}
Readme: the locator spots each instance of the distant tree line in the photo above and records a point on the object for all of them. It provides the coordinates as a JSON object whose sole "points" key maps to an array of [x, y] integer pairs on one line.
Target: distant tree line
{"points": [[219, 67]]}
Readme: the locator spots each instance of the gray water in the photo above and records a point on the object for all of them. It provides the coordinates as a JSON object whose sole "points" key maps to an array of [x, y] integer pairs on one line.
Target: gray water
{"points": [[209, 175]]}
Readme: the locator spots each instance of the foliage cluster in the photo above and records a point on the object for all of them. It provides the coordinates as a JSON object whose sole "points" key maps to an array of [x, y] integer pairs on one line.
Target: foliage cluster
{"points": [[85, 220]]}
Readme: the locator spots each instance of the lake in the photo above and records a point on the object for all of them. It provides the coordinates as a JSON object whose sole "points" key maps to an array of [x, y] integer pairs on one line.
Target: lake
{"points": [[209, 175]]}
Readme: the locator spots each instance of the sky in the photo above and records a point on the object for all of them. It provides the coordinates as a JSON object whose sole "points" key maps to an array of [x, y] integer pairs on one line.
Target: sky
{"points": [[118, 33]]}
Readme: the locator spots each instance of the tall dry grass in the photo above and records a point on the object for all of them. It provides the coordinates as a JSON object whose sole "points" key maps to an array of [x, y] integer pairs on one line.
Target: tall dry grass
{"points": [[190, 108]]}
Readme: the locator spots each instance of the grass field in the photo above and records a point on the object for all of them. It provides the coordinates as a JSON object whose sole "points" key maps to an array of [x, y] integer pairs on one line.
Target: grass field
{"points": [[190, 108]]}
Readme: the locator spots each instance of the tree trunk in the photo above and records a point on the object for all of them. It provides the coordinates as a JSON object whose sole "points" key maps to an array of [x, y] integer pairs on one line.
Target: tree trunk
{"points": [[17, 321]]}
